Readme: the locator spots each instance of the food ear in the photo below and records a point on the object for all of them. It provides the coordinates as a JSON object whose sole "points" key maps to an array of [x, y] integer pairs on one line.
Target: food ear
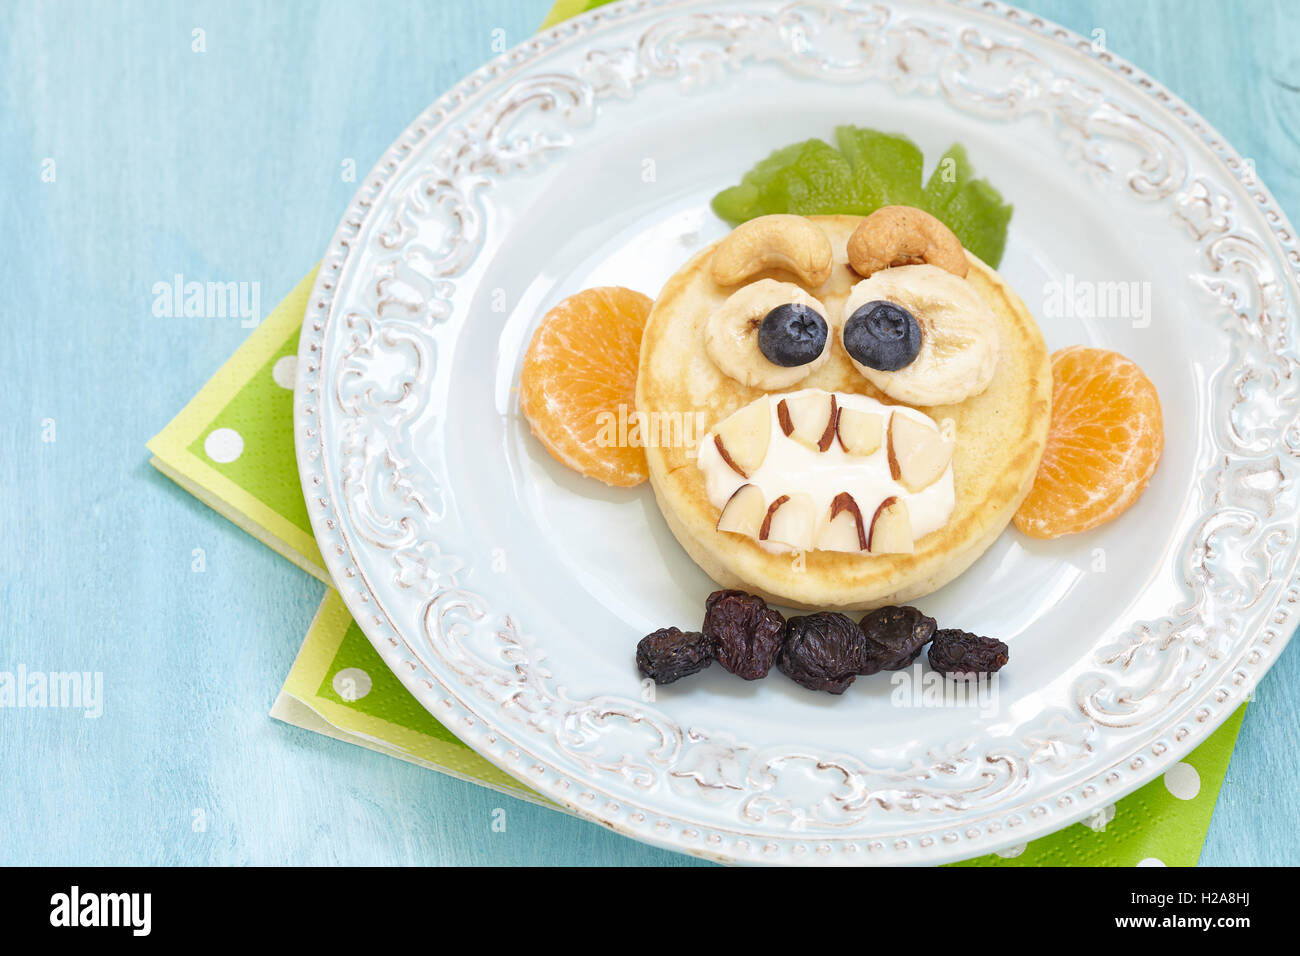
{"points": [[781, 242]]}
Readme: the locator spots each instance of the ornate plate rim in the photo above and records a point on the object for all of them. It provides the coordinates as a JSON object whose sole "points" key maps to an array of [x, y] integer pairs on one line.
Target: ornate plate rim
{"points": [[1068, 804]]}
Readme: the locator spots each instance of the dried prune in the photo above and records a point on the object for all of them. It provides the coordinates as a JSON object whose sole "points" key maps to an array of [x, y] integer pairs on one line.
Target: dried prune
{"points": [[959, 653], [895, 636], [670, 654], [822, 652], [745, 632]]}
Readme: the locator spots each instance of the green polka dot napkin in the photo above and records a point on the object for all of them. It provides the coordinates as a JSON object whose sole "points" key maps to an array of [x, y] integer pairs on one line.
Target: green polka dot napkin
{"points": [[232, 447]]}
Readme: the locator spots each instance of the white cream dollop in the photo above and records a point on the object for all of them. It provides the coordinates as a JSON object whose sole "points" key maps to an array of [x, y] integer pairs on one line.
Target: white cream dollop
{"points": [[791, 467]]}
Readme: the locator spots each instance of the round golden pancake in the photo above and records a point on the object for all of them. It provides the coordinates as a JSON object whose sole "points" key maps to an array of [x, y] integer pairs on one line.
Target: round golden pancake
{"points": [[1000, 435]]}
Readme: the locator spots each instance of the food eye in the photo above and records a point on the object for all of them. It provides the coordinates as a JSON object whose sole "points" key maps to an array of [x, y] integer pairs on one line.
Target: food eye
{"points": [[768, 335], [792, 335], [883, 336]]}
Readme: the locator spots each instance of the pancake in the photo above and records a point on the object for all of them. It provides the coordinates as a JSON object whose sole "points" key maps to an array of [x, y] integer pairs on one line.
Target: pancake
{"points": [[1000, 438]]}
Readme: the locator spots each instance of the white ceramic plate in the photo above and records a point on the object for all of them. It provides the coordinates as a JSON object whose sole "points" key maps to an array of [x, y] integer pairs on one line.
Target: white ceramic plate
{"points": [[508, 593]]}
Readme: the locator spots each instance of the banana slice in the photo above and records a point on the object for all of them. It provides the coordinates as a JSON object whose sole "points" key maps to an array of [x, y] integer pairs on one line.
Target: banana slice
{"points": [[959, 335], [731, 336]]}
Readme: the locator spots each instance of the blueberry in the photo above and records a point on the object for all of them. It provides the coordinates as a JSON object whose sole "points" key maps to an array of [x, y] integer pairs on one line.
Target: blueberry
{"points": [[792, 335], [882, 335]]}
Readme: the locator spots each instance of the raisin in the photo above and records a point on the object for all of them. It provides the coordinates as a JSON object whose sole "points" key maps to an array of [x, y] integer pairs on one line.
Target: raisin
{"points": [[963, 654], [745, 632], [670, 654], [823, 652], [895, 636]]}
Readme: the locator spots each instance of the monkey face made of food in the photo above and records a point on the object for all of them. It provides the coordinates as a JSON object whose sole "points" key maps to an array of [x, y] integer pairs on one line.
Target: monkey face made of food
{"points": [[872, 403]]}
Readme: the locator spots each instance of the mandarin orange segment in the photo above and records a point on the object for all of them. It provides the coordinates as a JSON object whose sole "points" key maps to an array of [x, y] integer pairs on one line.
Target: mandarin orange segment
{"points": [[1103, 444], [579, 372]]}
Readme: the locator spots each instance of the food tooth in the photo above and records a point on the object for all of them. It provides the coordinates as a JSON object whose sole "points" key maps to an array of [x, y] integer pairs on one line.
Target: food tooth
{"points": [[809, 419], [790, 521], [891, 528], [844, 529], [918, 455], [742, 439], [744, 511], [859, 432]]}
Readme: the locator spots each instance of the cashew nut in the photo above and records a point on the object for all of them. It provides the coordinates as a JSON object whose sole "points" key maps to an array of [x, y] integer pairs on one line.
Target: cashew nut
{"points": [[904, 236], [794, 244]]}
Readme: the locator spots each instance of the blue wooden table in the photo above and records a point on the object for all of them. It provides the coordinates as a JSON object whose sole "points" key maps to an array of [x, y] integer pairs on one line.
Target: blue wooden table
{"points": [[142, 140]]}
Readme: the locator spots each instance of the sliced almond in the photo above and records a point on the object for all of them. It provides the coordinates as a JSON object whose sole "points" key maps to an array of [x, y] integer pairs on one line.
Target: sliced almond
{"points": [[809, 419], [891, 528], [918, 454], [790, 520], [744, 511], [743, 437], [843, 530], [859, 432]]}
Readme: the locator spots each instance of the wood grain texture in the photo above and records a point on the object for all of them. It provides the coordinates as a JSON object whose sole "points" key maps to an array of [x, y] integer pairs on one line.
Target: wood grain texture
{"points": [[226, 165]]}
